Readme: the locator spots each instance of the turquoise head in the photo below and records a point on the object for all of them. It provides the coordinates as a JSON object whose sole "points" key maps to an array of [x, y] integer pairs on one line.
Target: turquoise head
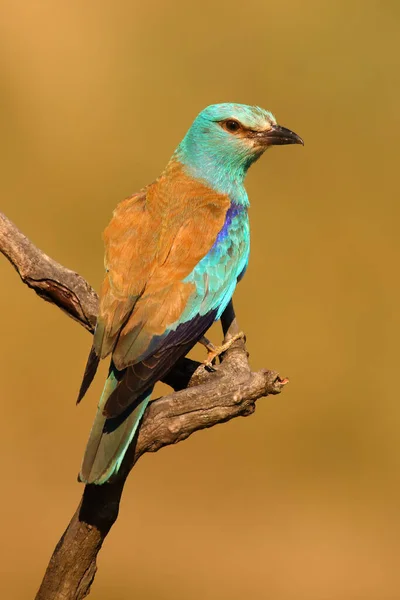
{"points": [[224, 141]]}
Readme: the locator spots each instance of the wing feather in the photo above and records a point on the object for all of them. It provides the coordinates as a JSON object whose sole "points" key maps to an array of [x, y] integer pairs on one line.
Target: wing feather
{"points": [[166, 280]]}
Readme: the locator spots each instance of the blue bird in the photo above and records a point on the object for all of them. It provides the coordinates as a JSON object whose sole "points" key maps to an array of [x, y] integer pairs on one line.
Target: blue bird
{"points": [[174, 253]]}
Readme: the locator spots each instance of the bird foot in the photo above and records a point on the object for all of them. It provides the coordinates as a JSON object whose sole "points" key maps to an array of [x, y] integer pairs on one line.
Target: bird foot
{"points": [[214, 351]]}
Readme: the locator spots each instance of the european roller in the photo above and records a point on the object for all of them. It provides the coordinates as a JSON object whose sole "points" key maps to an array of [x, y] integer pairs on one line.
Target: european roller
{"points": [[174, 253]]}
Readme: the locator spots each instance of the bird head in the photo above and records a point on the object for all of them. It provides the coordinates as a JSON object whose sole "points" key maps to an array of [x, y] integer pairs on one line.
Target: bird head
{"points": [[225, 139]]}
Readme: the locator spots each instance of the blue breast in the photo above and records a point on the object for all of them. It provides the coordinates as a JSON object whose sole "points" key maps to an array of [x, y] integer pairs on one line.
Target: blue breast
{"points": [[216, 275]]}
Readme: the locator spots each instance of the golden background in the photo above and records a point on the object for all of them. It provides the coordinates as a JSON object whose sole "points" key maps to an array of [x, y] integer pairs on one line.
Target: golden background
{"points": [[301, 500]]}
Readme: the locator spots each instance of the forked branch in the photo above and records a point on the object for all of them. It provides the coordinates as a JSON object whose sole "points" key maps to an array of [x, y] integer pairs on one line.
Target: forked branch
{"points": [[201, 399]]}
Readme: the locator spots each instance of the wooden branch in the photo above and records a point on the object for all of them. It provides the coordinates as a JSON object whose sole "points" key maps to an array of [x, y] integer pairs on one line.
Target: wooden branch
{"points": [[204, 400], [50, 280]]}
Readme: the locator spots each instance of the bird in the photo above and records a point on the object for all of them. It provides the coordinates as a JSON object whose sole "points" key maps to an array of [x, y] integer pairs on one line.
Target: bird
{"points": [[174, 253]]}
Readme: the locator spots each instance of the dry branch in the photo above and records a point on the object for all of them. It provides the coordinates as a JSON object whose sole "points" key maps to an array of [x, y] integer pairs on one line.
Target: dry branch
{"points": [[50, 280], [202, 399]]}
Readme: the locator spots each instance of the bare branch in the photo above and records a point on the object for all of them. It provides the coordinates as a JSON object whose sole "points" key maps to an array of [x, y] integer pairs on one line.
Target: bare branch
{"points": [[50, 280], [205, 399]]}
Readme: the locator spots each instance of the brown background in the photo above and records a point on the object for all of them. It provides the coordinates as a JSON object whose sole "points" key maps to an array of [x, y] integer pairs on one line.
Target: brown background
{"points": [[301, 500]]}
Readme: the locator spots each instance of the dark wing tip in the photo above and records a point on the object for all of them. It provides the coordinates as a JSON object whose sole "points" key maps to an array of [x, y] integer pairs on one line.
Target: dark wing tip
{"points": [[137, 379], [90, 371]]}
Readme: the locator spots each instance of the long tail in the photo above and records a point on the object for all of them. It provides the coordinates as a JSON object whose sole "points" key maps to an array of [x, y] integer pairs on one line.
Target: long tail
{"points": [[109, 438]]}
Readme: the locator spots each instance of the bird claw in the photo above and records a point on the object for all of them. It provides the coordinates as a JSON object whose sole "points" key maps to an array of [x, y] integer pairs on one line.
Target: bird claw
{"points": [[214, 351]]}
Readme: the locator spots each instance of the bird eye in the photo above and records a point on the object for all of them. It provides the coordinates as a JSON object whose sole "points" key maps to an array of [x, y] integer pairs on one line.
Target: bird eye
{"points": [[231, 126]]}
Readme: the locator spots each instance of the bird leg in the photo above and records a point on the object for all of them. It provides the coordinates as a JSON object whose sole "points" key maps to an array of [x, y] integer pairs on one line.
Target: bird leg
{"points": [[214, 351], [229, 322]]}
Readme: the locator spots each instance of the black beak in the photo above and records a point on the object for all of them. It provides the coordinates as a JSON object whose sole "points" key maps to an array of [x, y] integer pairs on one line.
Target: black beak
{"points": [[278, 136]]}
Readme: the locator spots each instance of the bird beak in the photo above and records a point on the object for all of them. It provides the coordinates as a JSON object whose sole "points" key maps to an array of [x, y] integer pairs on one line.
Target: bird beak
{"points": [[278, 136]]}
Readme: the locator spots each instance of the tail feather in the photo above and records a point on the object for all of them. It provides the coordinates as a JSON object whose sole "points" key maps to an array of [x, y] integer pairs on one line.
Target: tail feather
{"points": [[109, 438]]}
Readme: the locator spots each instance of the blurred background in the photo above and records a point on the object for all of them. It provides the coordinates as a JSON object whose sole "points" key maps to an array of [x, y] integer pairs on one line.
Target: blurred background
{"points": [[301, 500]]}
